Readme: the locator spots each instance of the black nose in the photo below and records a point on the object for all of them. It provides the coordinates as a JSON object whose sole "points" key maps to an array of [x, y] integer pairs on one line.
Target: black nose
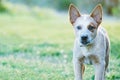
{"points": [[84, 38]]}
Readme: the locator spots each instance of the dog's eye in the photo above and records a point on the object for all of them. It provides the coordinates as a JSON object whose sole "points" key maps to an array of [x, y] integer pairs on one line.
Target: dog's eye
{"points": [[91, 28], [78, 27]]}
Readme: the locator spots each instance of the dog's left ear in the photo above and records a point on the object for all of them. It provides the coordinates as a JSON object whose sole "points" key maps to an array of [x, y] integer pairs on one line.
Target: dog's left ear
{"points": [[73, 13], [97, 14]]}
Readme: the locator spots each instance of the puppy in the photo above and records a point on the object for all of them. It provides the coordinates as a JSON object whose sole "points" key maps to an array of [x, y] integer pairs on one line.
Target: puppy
{"points": [[91, 44]]}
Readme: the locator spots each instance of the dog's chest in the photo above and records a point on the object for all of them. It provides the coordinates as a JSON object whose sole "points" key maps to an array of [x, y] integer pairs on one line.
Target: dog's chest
{"points": [[86, 52], [89, 56]]}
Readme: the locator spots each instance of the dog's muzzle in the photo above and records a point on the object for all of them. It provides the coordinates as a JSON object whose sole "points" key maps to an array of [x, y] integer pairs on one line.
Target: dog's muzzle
{"points": [[84, 40]]}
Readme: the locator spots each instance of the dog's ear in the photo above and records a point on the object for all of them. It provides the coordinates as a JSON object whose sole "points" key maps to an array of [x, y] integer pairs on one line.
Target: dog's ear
{"points": [[97, 14], [73, 13]]}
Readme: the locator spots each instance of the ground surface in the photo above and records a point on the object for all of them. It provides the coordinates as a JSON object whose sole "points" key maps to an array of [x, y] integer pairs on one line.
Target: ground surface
{"points": [[32, 48]]}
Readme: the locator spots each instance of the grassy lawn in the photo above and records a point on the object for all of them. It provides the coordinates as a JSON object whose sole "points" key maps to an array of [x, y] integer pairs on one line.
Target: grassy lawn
{"points": [[32, 48]]}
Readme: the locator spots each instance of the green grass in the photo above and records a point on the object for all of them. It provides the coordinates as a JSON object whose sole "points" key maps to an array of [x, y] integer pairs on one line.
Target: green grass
{"points": [[35, 48]]}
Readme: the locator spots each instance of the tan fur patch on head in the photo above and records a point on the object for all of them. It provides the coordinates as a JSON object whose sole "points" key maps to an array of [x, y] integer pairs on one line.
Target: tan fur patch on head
{"points": [[91, 27]]}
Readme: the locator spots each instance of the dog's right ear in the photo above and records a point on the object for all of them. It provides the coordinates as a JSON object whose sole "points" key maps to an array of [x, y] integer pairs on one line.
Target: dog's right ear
{"points": [[97, 14], [73, 13]]}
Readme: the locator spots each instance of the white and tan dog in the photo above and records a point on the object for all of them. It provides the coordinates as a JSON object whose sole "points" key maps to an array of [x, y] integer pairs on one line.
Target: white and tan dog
{"points": [[91, 44]]}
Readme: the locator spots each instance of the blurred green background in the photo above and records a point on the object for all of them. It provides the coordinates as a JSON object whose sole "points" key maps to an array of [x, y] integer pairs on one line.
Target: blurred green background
{"points": [[36, 39]]}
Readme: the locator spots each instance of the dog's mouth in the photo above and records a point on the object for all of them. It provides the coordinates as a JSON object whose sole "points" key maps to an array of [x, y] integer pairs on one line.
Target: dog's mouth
{"points": [[86, 43]]}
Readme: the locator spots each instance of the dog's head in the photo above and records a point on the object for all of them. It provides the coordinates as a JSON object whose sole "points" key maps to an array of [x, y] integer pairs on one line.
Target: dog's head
{"points": [[85, 26]]}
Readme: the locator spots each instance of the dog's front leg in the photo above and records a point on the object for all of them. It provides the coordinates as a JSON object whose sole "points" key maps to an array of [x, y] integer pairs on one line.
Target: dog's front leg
{"points": [[100, 71], [77, 69]]}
